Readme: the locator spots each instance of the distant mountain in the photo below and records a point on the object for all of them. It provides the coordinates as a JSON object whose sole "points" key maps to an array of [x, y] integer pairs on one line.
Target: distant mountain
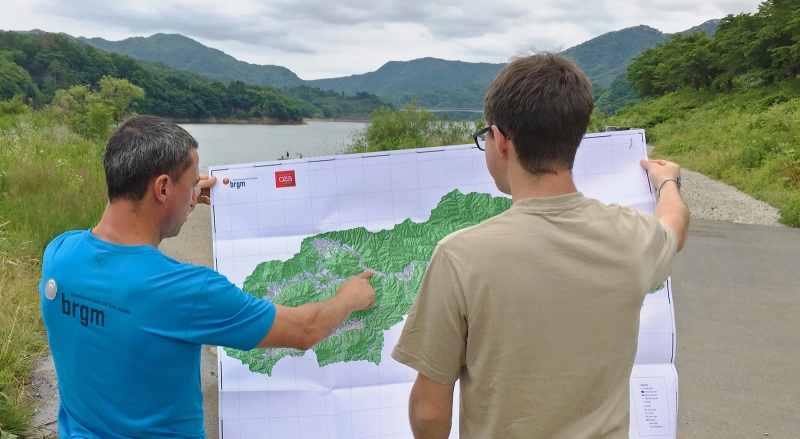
{"points": [[415, 76], [606, 57], [432, 82], [184, 53], [602, 59], [709, 27]]}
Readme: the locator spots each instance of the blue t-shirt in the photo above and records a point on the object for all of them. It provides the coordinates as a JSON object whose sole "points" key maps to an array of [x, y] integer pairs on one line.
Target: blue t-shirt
{"points": [[125, 327]]}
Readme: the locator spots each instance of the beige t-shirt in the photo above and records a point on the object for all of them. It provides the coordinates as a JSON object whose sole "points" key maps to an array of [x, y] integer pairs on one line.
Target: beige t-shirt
{"points": [[537, 312]]}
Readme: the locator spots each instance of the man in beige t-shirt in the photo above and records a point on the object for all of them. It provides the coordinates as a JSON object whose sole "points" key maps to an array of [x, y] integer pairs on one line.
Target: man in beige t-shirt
{"points": [[536, 310]]}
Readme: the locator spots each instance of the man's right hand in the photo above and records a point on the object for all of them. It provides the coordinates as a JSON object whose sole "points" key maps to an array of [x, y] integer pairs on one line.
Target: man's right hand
{"points": [[660, 170], [304, 326], [359, 291], [671, 209]]}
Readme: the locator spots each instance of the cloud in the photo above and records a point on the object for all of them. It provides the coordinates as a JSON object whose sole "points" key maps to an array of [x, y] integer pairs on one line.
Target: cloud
{"points": [[245, 23], [325, 38], [442, 18]]}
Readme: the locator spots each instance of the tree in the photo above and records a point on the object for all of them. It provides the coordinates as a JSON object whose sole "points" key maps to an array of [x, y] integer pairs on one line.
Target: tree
{"points": [[683, 61], [118, 94], [777, 42], [730, 48], [92, 114], [410, 127], [14, 80]]}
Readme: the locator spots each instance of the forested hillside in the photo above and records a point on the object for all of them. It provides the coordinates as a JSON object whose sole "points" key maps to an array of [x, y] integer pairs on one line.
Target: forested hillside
{"points": [[604, 59], [430, 82], [35, 66], [415, 76], [182, 53], [468, 95], [607, 56], [728, 105], [746, 50]]}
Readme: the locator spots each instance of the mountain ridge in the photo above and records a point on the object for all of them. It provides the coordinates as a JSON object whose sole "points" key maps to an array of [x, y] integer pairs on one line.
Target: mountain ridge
{"points": [[432, 82], [394, 77], [184, 53], [398, 76]]}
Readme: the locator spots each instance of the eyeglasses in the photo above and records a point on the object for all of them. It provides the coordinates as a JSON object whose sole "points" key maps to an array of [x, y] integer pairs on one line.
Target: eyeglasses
{"points": [[480, 137]]}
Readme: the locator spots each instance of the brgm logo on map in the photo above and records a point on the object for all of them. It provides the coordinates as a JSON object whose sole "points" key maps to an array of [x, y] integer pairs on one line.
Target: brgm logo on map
{"points": [[285, 179], [238, 183]]}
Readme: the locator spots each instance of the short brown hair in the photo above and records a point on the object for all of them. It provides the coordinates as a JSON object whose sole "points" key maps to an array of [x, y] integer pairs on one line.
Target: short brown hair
{"points": [[543, 103]]}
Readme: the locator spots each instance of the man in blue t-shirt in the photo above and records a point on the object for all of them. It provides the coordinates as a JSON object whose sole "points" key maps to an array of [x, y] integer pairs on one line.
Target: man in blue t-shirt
{"points": [[126, 323]]}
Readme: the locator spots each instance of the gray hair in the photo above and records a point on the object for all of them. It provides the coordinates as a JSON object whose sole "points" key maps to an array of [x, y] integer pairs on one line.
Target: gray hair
{"points": [[141, 149]]}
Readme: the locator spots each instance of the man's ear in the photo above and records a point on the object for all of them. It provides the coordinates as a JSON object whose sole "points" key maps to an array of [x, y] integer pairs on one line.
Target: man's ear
{"points": [[501, 142], [160, 187]]}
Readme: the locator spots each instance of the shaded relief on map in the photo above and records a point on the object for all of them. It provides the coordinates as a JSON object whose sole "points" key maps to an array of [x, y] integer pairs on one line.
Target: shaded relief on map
{"points": [[398, 259]]}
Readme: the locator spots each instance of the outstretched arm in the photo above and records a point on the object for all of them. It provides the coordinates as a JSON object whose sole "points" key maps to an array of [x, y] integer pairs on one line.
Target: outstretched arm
{"points": [[304, 326], [671, 209]]}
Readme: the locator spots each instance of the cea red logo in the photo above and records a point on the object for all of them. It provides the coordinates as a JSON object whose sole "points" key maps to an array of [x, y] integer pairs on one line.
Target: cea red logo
{"points": [[285, 179]]}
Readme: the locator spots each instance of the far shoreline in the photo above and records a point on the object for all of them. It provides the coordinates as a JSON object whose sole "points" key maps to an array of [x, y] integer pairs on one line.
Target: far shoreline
{"points": [[255, 121], [355, 120], [233, 121]]}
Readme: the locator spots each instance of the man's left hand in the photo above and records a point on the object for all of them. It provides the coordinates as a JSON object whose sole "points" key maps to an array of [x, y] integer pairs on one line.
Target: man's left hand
{"points": [[203, 189]]}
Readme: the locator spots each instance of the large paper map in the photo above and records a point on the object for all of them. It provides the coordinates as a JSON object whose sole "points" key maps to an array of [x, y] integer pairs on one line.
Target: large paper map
{"points": [[292, 231], [397, 258]]}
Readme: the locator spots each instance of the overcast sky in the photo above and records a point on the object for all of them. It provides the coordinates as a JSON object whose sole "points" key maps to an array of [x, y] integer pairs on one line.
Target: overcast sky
{"points": [[330, 38]]}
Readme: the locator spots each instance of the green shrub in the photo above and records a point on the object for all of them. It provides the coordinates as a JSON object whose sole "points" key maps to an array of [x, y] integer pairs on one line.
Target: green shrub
{"points": [[790, 212], [14, 106], [410, 127], [92, 114]]}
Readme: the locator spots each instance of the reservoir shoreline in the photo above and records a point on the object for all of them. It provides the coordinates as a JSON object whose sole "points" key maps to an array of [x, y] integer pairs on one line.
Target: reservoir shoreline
{"points": [[234, 121], [256, 120]]}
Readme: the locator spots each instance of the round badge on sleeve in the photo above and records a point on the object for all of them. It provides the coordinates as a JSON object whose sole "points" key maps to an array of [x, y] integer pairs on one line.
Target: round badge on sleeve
{"points": [[51, 289]]}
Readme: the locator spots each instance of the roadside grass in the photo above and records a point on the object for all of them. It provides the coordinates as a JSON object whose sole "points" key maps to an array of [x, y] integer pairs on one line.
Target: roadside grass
{"points": [[51, 180], [749, 139], [22, 341]]}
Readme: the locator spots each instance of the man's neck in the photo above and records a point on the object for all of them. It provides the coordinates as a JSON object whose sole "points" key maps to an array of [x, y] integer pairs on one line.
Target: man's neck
{"points": [[525, 185], [126, 223]]}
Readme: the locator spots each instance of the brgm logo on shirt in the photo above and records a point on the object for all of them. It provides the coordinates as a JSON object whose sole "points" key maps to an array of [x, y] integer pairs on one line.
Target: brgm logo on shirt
{"points": [[285, 179]]}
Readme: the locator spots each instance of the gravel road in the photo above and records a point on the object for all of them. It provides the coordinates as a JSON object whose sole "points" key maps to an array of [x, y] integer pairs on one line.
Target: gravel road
{"points": [[710, 199]]}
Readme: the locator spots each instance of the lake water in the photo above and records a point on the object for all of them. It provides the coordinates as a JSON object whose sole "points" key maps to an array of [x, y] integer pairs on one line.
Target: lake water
{"points": [[222, 144]]}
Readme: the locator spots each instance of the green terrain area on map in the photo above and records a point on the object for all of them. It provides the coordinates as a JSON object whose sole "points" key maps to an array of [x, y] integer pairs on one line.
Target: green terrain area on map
{"points": [[398, 259]]}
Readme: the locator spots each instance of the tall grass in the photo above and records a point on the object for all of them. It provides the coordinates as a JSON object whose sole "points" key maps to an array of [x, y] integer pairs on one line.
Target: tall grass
{"points": [[747, 138], [21, 337], [51, 180]]}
